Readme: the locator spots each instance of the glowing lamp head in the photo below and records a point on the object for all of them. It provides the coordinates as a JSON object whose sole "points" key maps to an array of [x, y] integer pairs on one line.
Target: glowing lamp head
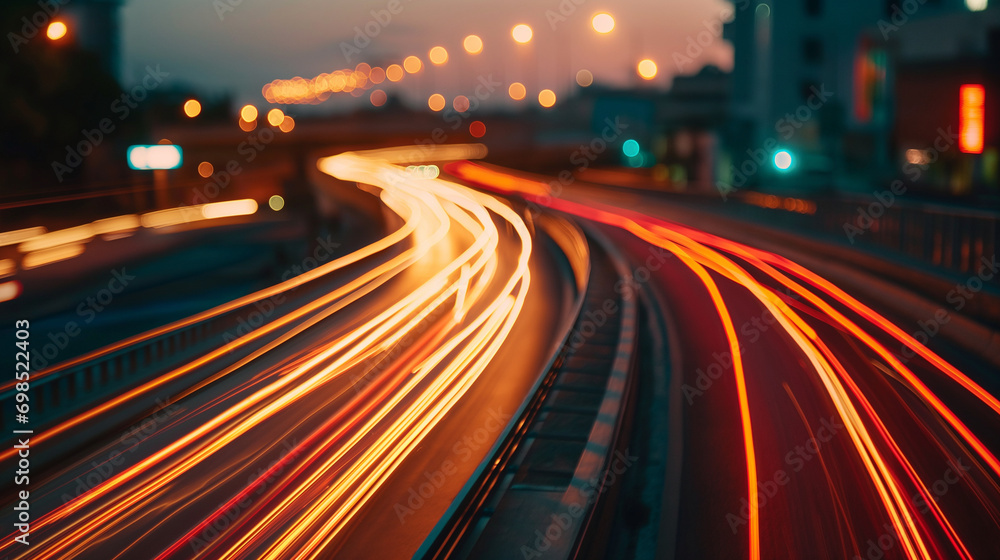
{"points": [[547, 98], [436, 102], [412, 64], [56, 30], [603, 23], [394, 73], [192, 108], [248, 113], [783, 160], [646, 69], [517, 91], [275, 117], [438, 56], [473, 44], [521, 33]]}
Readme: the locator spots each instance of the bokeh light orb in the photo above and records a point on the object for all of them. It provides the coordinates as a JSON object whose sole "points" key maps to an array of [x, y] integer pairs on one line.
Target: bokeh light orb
{"points": [[783, 160], [438, 55], [647, 69], [394, 73], [275, 117], [630, 148], [56, 30], [473, 44], [248, 113], [517, 91], [412, 64], [546, 98], [436, 102], [603, 23], [192, 108], [521, 33]]}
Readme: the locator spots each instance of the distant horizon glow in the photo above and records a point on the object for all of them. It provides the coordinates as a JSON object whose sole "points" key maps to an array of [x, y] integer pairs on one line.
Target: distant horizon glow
{"points": [[208, 54]]}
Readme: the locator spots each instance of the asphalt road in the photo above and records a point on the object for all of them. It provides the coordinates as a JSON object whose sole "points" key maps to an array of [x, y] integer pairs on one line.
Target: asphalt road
{"points": [[804, 431], [405, 377], [823, 440]]}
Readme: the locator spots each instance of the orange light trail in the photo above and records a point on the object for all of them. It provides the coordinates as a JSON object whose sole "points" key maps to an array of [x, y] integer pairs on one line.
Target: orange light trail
{"points": [[698, 249], [358, 449]]}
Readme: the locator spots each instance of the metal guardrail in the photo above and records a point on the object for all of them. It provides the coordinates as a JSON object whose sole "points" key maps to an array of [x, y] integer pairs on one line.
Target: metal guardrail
{"points": [[950, 238], [953, 238], [60, 391], [57, 392]]}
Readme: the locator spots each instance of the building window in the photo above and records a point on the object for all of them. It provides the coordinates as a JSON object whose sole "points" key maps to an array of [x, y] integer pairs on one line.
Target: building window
{"points": [[814, 7], [812, 50]]}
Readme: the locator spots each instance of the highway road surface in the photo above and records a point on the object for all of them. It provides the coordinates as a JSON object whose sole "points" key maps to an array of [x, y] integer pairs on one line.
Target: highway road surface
{"points": [[330, 429], [812, 426], [803, 422]]}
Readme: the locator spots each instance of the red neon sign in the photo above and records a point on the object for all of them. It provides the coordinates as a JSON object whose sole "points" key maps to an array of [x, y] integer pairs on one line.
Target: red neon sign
{"points": [[971, 118]]}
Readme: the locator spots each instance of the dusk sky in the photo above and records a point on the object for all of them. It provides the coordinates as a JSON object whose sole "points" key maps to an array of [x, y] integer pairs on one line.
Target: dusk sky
{"points": [[257, 41]]}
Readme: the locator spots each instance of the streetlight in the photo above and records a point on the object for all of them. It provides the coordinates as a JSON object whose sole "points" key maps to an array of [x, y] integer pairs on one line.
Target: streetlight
{"points": [[436, 102], [275, 117], [438, 55], [56, 30], [521, 33], [394, 73], [192, 108], [517, 91], [412, 64], [603, 23], [473, 44], [646, 69], [783, 160], [248, 113], [546, 98]]}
